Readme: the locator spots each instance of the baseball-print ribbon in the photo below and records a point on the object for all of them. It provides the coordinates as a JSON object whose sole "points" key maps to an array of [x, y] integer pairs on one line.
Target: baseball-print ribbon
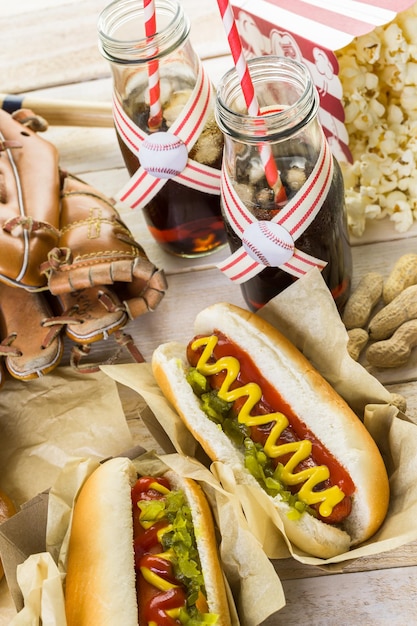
{"points": [[281, 231], [143, 186]]}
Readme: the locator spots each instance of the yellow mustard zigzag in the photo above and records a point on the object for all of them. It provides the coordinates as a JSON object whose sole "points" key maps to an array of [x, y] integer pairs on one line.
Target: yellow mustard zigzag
{"points": [[301, 450]]}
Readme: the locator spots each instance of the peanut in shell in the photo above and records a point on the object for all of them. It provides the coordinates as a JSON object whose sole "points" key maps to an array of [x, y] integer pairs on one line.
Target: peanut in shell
{"points": [[402, 309]]}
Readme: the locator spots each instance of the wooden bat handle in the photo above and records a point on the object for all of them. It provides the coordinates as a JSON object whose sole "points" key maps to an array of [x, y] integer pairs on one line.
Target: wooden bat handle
{"points": [[62, 112]]}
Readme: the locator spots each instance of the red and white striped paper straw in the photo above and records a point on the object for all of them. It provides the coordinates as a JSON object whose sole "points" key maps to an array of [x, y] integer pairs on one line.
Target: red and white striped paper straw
{"points": [[155, 109], [235, 44]]}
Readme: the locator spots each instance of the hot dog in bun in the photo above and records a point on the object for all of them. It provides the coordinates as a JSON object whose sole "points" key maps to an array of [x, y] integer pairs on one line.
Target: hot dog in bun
{"points": [[255, 403], [142, 551]]}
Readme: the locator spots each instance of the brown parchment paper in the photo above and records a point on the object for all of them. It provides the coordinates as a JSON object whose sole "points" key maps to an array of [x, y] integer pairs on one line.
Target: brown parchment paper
{"points": [[306, 313], [45, 421], [252, 584]]}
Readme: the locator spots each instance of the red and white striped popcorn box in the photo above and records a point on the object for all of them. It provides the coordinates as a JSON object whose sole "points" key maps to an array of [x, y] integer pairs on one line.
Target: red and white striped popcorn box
{"points": [[311, 31]]}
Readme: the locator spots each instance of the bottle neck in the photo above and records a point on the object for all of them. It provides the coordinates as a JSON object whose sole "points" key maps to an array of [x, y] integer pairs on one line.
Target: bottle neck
{"points": [[287, 99], [121, 31]]}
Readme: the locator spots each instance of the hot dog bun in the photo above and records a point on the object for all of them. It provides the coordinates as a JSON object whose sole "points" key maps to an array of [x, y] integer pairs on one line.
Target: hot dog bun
{"points": [[315, 402], [100, 585]]}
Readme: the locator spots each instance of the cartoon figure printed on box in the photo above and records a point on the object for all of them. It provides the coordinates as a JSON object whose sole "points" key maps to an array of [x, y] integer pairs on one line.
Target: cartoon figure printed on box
{"points": [[258, 39]]}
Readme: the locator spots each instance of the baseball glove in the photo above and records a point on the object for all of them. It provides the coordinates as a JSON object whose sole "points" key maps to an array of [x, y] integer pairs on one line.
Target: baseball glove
{"points": [[100, 276], [32, 326], [67, 261], [92, 315], [31, 342], [96, 248], [29, 199]]}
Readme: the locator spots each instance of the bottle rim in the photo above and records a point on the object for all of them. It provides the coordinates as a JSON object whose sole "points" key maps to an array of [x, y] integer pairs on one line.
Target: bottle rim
{"points": [[276, 122], [141, 49]]}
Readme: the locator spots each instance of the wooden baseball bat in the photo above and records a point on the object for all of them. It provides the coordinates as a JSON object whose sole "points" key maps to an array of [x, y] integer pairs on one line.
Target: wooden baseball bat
{"points": [[61, 112]]}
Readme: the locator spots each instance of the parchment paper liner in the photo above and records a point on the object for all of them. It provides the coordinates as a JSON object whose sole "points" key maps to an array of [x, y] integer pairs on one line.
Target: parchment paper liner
{"points": [[306, 313], [250, 575], [47, 420]]}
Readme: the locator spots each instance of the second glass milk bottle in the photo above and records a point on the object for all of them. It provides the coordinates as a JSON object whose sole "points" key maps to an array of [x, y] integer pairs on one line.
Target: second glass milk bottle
{"points": [[174, 163], [309, 224]]}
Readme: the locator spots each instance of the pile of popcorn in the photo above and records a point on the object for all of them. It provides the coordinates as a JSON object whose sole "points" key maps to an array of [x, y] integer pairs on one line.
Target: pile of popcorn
{"points": [[378, 72]]}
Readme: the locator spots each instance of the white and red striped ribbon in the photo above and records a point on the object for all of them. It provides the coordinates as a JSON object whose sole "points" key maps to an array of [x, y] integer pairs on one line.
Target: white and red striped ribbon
{"points": [[142, 186], [295, 217]]}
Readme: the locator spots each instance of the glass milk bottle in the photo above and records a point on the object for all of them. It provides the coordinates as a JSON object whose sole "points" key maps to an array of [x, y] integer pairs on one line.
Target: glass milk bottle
{"points": [[173, 159], [276, 237]]}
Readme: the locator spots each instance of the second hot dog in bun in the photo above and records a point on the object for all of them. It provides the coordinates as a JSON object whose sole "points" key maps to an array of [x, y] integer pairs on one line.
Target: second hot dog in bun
{"points": [[254, 402], [142, 552]]}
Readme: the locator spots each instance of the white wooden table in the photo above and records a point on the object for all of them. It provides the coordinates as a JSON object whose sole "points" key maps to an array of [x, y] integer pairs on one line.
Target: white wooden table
{"points": [[49, 50]]}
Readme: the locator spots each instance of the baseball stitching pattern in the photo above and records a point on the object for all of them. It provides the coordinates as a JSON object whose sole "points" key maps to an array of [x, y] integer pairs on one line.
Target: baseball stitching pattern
{"points": [[260, 257], [162, 148], [276, 240]]}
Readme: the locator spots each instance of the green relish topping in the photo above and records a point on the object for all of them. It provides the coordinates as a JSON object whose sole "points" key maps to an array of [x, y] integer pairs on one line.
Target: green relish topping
{"points": [[256, 460], [180, 539]]}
